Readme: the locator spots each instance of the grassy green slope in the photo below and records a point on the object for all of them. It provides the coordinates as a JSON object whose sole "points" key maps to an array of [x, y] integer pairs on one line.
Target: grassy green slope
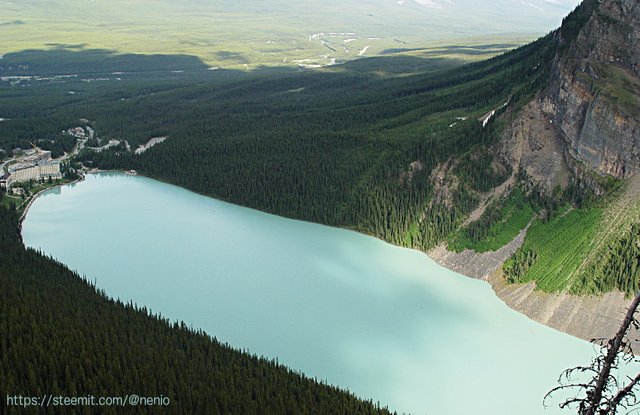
{"points": [[552, 251], [500, 223], [619, 223], [576, 248]]}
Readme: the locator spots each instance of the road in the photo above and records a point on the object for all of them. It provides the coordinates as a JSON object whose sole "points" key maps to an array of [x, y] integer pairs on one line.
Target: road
{"points": [[4, 163], [79, 146]]}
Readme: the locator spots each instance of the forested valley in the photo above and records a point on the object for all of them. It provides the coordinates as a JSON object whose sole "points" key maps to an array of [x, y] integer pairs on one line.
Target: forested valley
{"points": [[401, 156], [342, 147]]}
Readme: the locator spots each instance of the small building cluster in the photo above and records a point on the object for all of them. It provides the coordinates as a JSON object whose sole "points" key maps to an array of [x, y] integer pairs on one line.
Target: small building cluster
{"points": [[77, 132], [35, 165], [44, 171]]}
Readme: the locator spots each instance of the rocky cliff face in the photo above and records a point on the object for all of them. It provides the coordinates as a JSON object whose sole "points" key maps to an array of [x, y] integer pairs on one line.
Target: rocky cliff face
{"points": [[591, 107], [584, 123]]}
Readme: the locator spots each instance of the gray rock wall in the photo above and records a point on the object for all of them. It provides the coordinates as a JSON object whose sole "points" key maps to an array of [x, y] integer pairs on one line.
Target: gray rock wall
{"points": [[594, 94]]}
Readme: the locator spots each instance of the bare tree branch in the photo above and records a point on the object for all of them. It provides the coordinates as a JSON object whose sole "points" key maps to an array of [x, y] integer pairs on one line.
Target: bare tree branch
{"points": [[614, 348], [604, 393], [625, 392]]}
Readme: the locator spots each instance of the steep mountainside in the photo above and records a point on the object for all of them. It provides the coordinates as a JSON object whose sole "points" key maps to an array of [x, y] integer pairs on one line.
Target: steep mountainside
{"points": [[523, 159], [594, 96], [582, 131], [591, 109]]}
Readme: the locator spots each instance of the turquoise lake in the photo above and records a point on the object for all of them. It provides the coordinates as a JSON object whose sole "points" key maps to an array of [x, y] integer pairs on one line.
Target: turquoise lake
{"points": [[385, 322]]}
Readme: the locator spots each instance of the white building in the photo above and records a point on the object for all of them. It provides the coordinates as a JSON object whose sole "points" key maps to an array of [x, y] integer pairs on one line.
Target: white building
{"points": [[41, 172], [5, 181]]}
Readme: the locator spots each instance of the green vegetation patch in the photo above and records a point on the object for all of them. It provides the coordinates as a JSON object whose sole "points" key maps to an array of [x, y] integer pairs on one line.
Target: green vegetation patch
{"points": [[622, 88], [553, 250], [498, 225], [9, 202], [621, 269]]}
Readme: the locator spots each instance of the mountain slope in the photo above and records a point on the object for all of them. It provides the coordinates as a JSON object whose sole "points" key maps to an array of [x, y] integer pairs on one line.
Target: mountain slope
{"points": [[584, 129], [591, 108], [594, 94]]}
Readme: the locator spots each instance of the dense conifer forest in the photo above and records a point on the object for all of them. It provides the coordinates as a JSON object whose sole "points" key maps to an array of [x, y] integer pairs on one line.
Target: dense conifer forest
{"points": [[59, 335], [343, 147], [335, 147], [401, 156]]}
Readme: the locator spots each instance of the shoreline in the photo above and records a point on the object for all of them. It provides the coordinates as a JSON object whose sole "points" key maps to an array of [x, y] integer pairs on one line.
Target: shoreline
{"points": [[35, 196], [586, 317], [32, 199], [38, 193]]}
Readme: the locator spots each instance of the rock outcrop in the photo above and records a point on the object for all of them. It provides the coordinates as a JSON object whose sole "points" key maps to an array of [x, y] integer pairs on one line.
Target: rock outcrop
{"points": [[533, 145], [589, 115], [585, 123]]}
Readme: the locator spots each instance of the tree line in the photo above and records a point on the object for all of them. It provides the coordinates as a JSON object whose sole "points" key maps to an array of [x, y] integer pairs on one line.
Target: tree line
{"points": [[61, 335]]}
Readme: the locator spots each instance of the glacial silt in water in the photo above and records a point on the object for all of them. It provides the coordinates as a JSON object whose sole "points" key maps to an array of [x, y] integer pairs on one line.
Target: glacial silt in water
{"points": [[387, 323]]}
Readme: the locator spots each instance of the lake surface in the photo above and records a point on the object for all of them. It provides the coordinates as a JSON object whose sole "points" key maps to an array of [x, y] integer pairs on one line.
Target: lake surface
{"points": [[387, 323]]}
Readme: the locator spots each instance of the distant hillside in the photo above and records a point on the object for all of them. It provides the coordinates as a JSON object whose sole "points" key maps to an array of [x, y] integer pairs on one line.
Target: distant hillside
{"points": [[238, 33]]}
